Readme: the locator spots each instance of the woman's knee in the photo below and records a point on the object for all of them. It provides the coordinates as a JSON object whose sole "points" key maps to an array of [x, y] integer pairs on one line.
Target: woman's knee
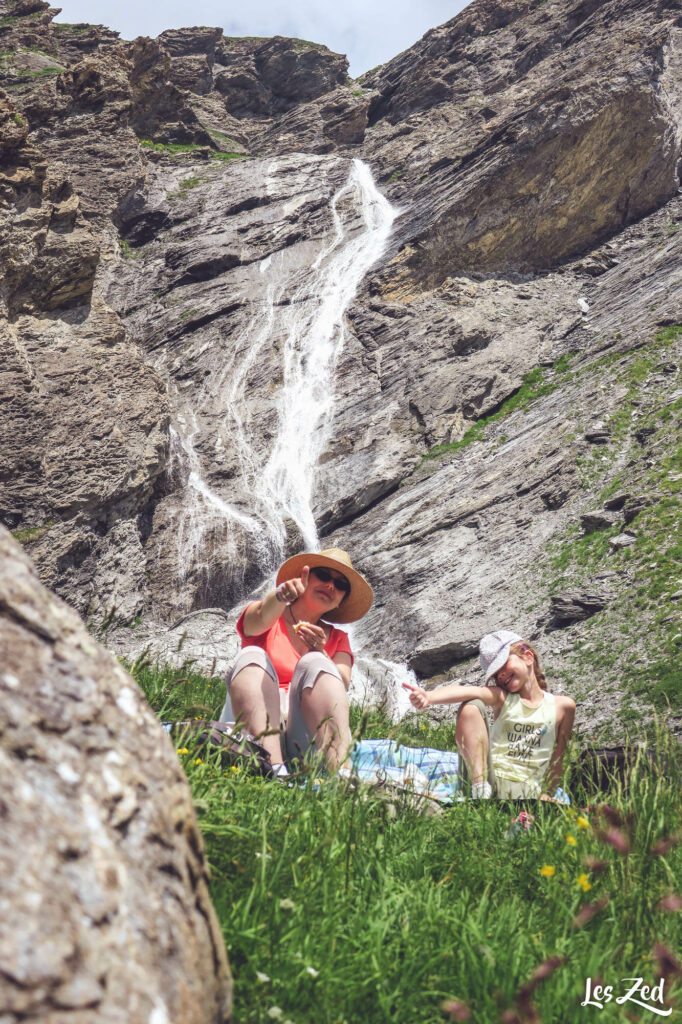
{"points": [[315, 659], [313, 667], [252, 655], [252, 668]]}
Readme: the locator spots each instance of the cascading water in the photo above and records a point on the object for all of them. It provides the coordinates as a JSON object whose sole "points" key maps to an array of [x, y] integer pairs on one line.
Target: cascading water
{"points": [[308, 319], [313, 342]]}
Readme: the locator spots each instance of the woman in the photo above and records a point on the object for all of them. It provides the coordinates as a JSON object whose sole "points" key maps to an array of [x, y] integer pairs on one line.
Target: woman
{"points": [[294, 665], [522, 757]]}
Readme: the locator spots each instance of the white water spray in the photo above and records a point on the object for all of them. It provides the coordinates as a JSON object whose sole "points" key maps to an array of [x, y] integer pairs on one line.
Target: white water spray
{"points": [[314, 339], [305, 315]]}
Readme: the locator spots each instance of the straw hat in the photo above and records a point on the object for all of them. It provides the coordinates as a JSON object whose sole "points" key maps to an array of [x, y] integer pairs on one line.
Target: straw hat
{"points": [[355, 604]]}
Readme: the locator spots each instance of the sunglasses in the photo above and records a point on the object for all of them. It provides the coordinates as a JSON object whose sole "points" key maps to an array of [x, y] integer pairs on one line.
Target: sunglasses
{"points": [[325, 576]]}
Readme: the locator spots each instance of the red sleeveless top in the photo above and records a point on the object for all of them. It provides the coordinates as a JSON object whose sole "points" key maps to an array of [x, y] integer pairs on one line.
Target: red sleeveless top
{"points": [[277, 645]]}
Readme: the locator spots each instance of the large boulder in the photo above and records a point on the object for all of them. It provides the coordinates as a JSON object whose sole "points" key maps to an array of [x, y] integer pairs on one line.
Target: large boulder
{"points": [[103, 878]]}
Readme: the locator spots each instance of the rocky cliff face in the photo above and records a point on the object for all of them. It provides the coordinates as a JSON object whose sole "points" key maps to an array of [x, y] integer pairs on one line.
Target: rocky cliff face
{"points": [[508, 365]]}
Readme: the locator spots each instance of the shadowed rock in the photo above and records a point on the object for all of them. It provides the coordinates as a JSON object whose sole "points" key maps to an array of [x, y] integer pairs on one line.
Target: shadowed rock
{"points": [[574, 607], [591, 521]]}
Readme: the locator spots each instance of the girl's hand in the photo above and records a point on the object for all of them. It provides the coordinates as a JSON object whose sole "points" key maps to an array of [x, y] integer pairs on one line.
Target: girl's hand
{"points": [[419, 697], [314, 636], [291, 590]]}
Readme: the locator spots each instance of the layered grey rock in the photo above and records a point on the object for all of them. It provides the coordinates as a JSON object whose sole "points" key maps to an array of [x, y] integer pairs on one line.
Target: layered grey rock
{"points": [[574, 607]]}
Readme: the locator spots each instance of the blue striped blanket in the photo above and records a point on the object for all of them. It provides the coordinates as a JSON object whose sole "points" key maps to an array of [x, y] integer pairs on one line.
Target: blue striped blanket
{"points": [[421, 769]]}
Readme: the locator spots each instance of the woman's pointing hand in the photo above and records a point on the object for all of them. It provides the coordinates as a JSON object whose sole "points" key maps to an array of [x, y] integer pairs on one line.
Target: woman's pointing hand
{"points": [[290, 590]]}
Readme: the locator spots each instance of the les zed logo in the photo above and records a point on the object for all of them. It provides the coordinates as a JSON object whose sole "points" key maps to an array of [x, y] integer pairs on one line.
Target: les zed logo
{"points": [[604, 994]]}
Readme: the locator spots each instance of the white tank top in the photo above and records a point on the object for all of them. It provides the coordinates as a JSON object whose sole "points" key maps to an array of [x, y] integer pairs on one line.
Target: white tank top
{"points": [[522, 741]]}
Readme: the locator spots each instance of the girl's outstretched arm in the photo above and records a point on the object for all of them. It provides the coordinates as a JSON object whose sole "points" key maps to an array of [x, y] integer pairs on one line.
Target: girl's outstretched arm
{"points": [[492, 696], [565, 717]]}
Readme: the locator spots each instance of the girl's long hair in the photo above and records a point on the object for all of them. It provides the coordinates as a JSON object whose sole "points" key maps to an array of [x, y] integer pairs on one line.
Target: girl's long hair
{"points": [[525, 646]]}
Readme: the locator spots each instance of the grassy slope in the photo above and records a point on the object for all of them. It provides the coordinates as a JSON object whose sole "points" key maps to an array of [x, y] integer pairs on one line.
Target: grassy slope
{"points": [[339, 906], [636, 642]]}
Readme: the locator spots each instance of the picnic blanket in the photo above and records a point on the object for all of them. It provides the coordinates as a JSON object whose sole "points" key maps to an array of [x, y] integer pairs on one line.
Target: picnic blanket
{"points": [[423, 770]]}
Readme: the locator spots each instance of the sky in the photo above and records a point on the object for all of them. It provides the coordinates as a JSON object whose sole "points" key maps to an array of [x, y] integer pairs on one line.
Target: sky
{"points": [[369, 32]]}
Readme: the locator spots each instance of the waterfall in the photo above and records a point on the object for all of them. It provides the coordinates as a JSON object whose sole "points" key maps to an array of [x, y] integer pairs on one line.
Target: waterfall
{"points": [[307, 317], [313, 342]]}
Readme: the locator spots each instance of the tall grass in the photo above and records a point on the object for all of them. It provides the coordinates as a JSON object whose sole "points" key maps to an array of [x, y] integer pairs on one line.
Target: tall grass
{"points": [[342, 905]]}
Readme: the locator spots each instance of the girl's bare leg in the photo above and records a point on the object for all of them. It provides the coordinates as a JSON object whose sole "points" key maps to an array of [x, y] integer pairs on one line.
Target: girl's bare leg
{"points": [[325, 712], [255, 702], [472, 742]]}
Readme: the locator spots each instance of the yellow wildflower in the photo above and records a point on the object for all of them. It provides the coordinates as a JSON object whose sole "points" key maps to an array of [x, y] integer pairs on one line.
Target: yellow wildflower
{"points": [[584, 883], [197, 760], [571, 840], [235, 769], [583, 822], [182, 750], [547, 871]]}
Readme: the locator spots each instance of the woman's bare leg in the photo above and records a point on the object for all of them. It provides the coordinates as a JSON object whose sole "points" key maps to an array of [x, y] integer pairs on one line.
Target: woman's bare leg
{"points": [[255, 702], [472, 742], [325, 712]]}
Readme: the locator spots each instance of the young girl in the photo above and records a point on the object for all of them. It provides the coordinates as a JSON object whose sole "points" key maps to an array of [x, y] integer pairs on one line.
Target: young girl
{"points": [[522, 756]]}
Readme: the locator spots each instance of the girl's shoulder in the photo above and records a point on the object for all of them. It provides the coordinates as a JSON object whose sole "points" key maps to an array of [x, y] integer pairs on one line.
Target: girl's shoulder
{"points": [[563, 701], [498, 698]]}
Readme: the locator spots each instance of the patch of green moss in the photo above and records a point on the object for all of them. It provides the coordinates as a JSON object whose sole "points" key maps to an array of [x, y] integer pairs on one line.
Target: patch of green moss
{"points": [[178, 149], [127, 251], [37, 49], [42, 73], [31, 533], [70, 28], [225, 157], [222, 135], [169, 147], [305, 44], [563, 363], [245, 39], [534, 386], [189, 183]]}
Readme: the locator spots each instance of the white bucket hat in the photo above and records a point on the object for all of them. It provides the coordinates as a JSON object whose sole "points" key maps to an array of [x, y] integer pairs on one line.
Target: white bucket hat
{"points": [[494, 650]]}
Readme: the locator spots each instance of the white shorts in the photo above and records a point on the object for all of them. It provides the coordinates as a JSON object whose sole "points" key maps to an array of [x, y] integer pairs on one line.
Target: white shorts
{"points": [[310, 666]]}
